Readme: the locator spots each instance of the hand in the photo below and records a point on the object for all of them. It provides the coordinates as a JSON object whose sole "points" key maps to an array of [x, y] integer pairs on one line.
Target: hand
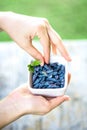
{"points": [[32, 104], [23, 29], [21, 102]]}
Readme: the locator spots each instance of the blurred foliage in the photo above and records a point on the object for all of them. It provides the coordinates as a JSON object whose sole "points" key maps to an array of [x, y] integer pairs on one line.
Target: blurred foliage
{"points": [[68, 17]]}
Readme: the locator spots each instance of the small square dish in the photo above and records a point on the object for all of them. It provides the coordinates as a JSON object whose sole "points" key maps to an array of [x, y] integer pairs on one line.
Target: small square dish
{"points": [[51, 79]]}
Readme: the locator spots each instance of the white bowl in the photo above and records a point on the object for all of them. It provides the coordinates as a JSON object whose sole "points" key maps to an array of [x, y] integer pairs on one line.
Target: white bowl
{"points": [[51, 92]]}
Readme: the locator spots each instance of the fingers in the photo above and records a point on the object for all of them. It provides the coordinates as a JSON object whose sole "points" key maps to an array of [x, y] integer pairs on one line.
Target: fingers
{"points": [[48, 37], [46, 48], [56, 40], [69, 77], [29, 48], [58, 100], [36, 54], [44, 40], [54, 49]]}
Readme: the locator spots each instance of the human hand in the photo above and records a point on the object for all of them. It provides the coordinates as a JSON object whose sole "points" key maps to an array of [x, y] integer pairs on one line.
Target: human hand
{"points": [[22, 29], [33, 104], [21, 102]]}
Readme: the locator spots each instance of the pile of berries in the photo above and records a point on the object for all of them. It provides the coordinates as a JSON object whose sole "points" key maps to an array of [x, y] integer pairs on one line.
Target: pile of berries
{"points": [[48, 76]]}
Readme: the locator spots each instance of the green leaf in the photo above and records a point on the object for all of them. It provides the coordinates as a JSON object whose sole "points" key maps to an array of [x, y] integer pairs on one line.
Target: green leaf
{"points": [[34, 63], [30, 68]]}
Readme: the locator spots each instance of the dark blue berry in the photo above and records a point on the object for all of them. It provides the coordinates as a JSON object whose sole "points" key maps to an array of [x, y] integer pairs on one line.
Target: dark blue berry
{"points": [[49, 76]]}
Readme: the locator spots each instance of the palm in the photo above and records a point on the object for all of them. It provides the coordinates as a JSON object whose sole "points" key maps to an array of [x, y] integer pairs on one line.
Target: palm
{"points": [[33, 104]]}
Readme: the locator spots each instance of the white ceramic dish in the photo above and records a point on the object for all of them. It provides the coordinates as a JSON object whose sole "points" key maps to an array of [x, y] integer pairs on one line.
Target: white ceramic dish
{"points": [[51, 92]]}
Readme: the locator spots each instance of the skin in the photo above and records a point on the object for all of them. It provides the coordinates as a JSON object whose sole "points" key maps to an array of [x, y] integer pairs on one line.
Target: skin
{"points": [[21, 102], [22, 29]]}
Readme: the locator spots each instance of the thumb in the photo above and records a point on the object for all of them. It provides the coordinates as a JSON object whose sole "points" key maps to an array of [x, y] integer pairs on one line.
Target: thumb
{"points": [[35, 53], [59, 100]]}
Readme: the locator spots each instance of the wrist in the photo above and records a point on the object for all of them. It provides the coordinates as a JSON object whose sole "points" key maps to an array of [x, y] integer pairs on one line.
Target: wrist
{"points": [[9, 111], [17, 105], [4, 16], [1, 17]]}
